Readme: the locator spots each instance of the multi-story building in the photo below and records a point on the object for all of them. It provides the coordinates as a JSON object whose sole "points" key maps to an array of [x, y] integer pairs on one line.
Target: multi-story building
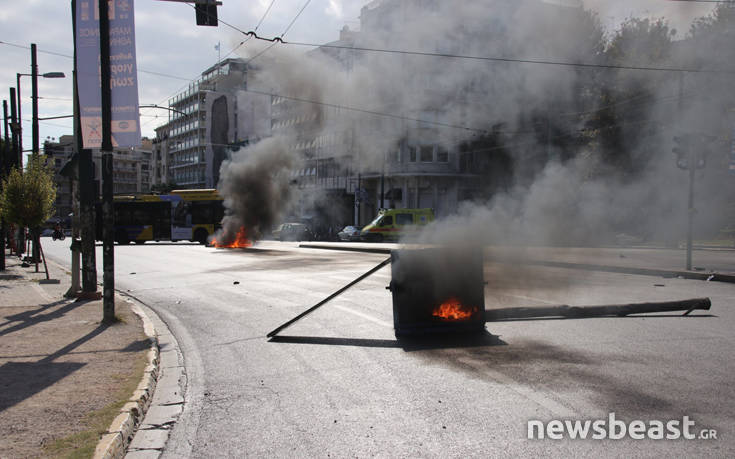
{"points": [[213, 116], [130, 169], [350, 161], [58, 154], [392, 146], [160, 176]]}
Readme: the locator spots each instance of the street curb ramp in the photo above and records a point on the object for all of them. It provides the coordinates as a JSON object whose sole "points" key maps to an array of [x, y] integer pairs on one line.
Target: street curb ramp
{"points": [[114, 443]]}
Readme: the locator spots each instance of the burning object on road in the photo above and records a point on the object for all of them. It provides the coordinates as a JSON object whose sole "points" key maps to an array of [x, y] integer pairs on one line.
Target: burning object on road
{"points": [[442, 290], [437, 290], [225, 241]]}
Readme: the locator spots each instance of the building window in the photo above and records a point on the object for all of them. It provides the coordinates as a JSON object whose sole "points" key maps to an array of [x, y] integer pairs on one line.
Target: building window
{"points": [[442, 155], [412, 154], [427, 153]]}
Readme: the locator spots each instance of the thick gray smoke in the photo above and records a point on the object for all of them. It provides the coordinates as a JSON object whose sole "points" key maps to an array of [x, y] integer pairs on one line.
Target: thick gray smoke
{"points": [[576, 155], [254, 183]]}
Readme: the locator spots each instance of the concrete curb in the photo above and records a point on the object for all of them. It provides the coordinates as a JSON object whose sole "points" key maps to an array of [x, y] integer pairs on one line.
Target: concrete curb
{"points": [[114, 443], [695, 275]]}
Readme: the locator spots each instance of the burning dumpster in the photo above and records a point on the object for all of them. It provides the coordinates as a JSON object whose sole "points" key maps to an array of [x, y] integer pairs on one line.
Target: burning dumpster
{"points": [[437, 290], [442, 290]]}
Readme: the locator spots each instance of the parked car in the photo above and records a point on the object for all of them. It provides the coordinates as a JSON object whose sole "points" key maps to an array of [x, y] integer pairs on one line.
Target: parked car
{"points": [[292, 232], [349, 233]]}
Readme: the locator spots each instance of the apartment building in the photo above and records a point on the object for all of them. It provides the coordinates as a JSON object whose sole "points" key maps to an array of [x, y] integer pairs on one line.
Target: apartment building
{"points": [[130, 169], [59, 153], [425, 146], [214, 116]]}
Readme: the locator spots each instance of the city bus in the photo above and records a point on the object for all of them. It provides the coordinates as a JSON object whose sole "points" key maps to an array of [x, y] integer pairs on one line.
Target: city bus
{"points": [[181, 215]]}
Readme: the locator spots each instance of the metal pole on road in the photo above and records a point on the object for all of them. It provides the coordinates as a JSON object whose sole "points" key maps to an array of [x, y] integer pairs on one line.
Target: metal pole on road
{"points": [[108, 241]]}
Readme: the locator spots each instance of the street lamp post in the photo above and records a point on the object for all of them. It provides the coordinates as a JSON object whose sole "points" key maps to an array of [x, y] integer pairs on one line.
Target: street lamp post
{"points": [[34, 97], [35, 149]]}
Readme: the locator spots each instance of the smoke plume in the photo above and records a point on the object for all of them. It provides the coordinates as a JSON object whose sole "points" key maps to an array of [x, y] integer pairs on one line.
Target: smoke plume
{"points": [[572, 155], [255, 186]]}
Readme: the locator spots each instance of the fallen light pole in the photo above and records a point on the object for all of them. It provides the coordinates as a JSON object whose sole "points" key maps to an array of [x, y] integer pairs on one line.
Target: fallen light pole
{"points": [[441, 290], [578, 312]]}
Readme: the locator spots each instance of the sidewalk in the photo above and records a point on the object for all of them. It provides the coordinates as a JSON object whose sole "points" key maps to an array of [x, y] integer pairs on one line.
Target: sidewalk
{"points": [[63, 375]]}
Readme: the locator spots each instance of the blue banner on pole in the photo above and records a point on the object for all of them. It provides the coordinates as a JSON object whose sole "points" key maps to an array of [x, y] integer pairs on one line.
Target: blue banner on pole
{"points": [[123, 73]]}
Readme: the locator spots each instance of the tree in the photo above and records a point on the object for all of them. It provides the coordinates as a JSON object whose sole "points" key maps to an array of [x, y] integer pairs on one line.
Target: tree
{"points": [[27, 199], [624, 123]]}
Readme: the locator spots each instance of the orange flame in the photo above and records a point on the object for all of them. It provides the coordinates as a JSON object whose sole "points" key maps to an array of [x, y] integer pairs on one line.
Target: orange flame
{"points": [[452, 310], [241, 241]]}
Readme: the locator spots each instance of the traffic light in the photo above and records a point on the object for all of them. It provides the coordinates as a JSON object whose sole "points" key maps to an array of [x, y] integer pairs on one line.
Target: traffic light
{"points": [[681, 149], [696, 145], [206, 13]]}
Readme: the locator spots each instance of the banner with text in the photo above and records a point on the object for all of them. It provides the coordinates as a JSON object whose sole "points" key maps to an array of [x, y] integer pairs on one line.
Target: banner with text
{"points": [[123, 73]]}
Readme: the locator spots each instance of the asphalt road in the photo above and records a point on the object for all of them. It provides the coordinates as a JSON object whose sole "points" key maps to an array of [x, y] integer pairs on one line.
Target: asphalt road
{"points": [[338, 383]]}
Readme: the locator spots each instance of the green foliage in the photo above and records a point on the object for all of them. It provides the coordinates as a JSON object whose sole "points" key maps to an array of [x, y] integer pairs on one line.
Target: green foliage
{"points": [[27, 199], [641, 42]]}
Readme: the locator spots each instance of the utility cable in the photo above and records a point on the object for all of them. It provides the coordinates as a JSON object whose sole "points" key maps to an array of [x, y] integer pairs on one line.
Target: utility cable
{"points": [[294, 19], [264, 15], [276, 39]]}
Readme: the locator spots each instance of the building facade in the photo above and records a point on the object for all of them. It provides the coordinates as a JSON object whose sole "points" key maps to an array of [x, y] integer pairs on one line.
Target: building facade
{"points": [[59, 153], [214, 116], [131, 169]]}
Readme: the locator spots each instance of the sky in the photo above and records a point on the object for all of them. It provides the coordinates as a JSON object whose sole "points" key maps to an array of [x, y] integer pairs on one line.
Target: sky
{"points": [[172, 50]]}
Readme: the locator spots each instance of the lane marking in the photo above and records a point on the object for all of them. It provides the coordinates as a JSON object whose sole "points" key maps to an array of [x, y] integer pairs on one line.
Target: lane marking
{"points": [[373, 319], [530, 298]]}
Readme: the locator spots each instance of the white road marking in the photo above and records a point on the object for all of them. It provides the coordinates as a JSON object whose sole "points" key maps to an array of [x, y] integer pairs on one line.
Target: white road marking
{"points": [[530, 298], [384, 323]]}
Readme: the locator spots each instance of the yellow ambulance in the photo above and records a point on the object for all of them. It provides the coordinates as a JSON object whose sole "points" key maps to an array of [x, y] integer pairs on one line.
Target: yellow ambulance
{"points": [[393, 224]]}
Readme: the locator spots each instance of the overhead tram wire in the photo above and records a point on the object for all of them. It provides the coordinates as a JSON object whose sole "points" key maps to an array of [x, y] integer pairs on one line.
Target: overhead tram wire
{"points": [[226, 55], [40, 51], [253, 33], [294, 19], [337, 106], [703, 1], [265, 14], [510, 59], [280, 37], [275, 40]]}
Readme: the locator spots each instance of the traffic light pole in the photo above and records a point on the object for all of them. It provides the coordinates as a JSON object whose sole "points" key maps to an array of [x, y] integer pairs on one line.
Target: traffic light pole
{"points": [[3, 170], [690, 223], [87, 192], [108, 236], [691, 166]]}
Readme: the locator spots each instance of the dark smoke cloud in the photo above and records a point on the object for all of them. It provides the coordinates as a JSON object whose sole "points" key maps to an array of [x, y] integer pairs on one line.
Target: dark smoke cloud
{"points": [[572, 201], [254, 184]]}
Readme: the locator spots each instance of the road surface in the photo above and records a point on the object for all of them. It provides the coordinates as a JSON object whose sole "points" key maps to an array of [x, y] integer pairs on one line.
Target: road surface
{"points": [[338, 383]]}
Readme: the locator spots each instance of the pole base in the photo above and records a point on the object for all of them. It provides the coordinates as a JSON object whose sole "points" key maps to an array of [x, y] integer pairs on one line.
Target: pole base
{"points": [[89, 296]]}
